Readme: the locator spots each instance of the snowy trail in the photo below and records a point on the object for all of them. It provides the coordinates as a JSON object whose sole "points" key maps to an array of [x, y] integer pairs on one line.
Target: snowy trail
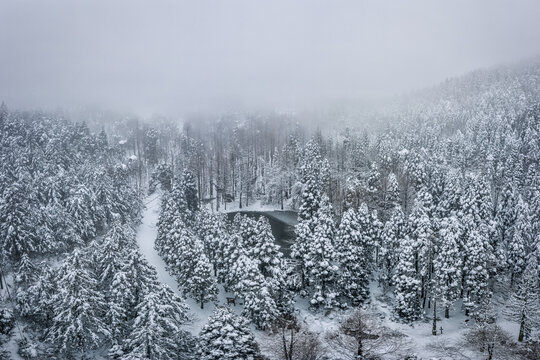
{"points": [[146, 235]]}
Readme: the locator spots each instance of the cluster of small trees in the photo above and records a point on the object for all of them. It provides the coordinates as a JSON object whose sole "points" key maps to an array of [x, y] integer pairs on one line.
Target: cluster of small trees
{"points": [[201, 249]]}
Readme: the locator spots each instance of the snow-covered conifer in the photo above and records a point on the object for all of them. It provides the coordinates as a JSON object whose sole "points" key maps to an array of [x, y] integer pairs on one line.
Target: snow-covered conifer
{"points": [[518, 245], [157, 329], [321, 260], [226, 337], [265, 249], [79, 308], [476, 292], [199, 283], [407, 283], [447, 265], [524, 304], [392, 233], [352, 244]]}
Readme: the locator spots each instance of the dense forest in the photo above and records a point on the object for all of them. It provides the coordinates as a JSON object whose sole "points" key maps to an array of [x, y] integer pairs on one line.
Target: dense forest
{"points": [[432, 211]]}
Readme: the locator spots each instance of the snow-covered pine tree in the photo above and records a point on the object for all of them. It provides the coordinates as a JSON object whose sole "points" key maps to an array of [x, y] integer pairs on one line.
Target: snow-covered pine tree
{"points": [[231, 249], [259, 304], [352, 243], [120, 299], [37, 301], [506, 214], [199, 283], [111, 253], [84, 214], [476, 292], [265, 250], [314, 178], [157, 330], [141, 276], [421, 226], [447, 265], [524, 304], [373, 184], [26, 272], [189, 188], [211, 229], [79, 308], [17, 232], [391, 196], [393, 232], [178, 203], [227, 337], [374, 230], [517, 246], [247, 228], [407, 283], [320, 258], [165, 222]]}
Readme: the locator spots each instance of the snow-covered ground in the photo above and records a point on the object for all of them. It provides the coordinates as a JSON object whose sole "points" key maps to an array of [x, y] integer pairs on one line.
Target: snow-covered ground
{"points": [[256, 205], [146, 236], [418, 336]]}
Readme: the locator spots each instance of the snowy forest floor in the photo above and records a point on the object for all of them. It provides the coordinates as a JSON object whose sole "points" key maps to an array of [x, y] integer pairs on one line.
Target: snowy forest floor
{"points": [[411, 339]]}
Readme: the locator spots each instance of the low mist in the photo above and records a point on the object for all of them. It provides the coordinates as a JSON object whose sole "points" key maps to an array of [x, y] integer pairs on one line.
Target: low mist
{"points": [[178, 57]]}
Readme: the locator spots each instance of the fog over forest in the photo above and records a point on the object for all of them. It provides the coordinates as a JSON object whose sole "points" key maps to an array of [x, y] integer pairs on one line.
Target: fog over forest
{"points": [[178, 57]]}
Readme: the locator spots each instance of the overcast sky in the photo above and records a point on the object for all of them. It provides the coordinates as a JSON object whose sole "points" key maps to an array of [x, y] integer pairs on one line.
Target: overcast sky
{"points": [[172, 57]]}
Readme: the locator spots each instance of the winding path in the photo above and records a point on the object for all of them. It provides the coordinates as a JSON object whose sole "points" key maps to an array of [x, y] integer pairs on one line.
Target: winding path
{"points": [[146, 235]]}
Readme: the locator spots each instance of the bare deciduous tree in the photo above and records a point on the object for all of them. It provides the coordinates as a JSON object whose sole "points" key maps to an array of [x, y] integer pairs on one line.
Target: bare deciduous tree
{"points": [[360, 337]]}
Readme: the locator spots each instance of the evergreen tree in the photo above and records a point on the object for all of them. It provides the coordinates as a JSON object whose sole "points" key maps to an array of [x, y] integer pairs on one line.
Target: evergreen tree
{"points": [[17, 230], [517, 247], [447, 265], [189, 188], [392, 233], [157, 330], [226, 337], [37, 301], [212, 229], [141, 276], [119, 300], [407, 283], [200, 284], [231, 249], [259, 304], [78, 322], [265, 250], [320, 258], [476, 292], [391, 197], [524, 305], [421, 232], [314, 179], [352, 243]]}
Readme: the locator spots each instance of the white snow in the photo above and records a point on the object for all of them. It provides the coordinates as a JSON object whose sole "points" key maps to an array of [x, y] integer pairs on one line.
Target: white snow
{"points": [[146, 237]]}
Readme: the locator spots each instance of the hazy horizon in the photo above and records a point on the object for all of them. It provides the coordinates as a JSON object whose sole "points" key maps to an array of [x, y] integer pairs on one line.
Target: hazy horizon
{"points": [[182, 57]]}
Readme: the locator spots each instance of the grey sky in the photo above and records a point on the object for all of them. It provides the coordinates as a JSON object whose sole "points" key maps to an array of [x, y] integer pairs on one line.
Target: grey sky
{"points": [[173, 57]]}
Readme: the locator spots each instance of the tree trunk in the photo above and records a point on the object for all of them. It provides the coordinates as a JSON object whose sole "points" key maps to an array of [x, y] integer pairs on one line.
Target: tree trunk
{"points": [[434, 329], [447, 312], [521, 328], [360, 349]]}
